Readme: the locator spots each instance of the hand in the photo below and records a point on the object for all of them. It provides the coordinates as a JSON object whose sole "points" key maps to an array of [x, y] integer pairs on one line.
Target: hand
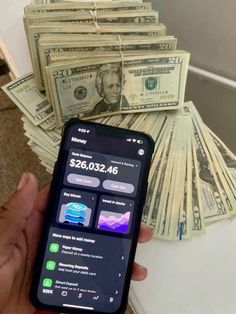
{"points": [[21, 221]]}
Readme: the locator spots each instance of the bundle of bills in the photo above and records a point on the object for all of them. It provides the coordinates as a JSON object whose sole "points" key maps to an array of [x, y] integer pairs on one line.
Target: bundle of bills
{"points": [[192, 176], [70, 42]]}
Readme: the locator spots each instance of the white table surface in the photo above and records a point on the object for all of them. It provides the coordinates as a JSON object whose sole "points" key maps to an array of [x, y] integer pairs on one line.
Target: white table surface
{"points": [[187, 277]]}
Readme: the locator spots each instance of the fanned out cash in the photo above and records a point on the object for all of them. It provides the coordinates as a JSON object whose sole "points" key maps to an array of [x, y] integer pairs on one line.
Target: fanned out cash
{"points": [[192, 180], [192, 176]]}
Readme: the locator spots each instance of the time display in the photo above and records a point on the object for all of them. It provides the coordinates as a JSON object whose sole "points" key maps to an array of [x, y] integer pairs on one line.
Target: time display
{"points": [[92, 166]]}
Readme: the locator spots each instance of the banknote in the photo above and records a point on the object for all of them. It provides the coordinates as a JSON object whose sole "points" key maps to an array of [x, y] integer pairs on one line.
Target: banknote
{"points": [[40, 149], [52, 137], [193, 218], [163, 185], [39, 7], [198, 222], [223, 176], [49, 51], [176, 217], [213, 198], [49, 123], [129, 16], [219, 152], [156, 183], [173, 185], [185, 222], [45, 1], [28, 99], [36, 30], [143, 83], [227, 155], [223, 172]]}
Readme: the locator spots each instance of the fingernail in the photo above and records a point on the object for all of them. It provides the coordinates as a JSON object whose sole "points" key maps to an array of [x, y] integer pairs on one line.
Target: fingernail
{"points": [[22, 182], [143, 268], [145, 272]]}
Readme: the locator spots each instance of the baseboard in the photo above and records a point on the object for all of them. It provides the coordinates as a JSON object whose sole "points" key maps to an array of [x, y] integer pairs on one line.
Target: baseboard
{"points": [[213, 77]]}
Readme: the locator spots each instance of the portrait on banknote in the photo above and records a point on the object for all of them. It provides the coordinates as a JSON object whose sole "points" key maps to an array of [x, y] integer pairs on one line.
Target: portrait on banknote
{"points": [[204, 171], [109, 83]]}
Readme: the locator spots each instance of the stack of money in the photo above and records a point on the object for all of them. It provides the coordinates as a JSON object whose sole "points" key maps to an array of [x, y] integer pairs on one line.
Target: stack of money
{"points": [[70, 44], [192, 176], [79, 51]]}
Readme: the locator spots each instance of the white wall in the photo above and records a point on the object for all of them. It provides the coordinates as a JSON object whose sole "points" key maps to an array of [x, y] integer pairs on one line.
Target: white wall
{"points": [[206, 28], [12, 36]]}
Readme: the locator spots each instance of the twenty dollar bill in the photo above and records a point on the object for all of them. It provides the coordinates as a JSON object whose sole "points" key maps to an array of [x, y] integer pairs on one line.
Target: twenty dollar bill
{"points": [[133, 84]]}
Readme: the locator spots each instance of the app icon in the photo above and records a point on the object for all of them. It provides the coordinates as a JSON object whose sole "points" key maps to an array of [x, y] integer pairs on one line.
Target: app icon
{"points": [[47, 282], [64, 293], [50, 265], [54, 247], [141, 152]]}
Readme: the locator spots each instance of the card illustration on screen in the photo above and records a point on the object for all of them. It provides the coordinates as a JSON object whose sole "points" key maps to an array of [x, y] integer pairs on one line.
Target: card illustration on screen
{"points": [[115, 214], [112, 221], [76, 208], [75, 214]]}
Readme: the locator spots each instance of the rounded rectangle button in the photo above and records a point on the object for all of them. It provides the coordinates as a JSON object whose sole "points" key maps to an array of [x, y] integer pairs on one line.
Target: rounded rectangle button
{"points": [[83, 180], [118, 186]]}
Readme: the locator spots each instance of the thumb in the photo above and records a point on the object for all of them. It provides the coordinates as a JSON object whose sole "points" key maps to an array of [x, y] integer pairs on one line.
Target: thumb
{"points": [[15, 213]]}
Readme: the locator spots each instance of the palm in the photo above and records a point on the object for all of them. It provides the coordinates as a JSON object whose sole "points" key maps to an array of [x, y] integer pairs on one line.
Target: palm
{"points": [[17, 257], [15, 273]]}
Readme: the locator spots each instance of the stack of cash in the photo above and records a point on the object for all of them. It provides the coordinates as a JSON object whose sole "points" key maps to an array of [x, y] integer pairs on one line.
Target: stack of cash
{"points": [[70, 45], [192, 180], [113, 62]]}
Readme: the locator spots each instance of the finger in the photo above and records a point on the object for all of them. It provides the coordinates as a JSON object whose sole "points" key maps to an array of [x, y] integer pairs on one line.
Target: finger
{"points": [[145, 234], [42, 199], [15, 213], [139, 272]]}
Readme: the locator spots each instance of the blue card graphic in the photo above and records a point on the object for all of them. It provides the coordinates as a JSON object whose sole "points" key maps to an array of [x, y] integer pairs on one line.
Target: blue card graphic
{"points": [[76, 208]]}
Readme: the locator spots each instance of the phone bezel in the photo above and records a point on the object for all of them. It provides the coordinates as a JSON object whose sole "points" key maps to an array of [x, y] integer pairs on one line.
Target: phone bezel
{"points": [[53, 189]]}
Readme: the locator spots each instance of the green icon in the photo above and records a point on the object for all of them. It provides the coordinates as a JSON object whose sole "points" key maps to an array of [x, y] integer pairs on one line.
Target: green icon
{"points": [[54, 247], [47, 282], [50, 265]]}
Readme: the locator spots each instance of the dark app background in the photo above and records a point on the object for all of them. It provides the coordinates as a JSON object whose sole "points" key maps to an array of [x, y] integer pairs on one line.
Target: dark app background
{"points": [[91, 230]]}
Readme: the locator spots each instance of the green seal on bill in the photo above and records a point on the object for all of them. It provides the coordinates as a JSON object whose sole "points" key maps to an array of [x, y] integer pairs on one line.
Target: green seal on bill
{"points": [[150, 83]]}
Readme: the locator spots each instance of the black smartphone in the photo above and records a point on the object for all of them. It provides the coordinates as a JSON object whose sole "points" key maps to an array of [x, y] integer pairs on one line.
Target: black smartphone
{"points": [[91, 228]]}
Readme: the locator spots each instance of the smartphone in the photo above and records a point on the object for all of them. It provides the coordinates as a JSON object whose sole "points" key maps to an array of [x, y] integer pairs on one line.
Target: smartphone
{"points": [[93, 218]]}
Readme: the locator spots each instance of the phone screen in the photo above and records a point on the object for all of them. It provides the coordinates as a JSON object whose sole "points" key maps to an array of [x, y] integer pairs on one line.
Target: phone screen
{"points": [[98, 192]]}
